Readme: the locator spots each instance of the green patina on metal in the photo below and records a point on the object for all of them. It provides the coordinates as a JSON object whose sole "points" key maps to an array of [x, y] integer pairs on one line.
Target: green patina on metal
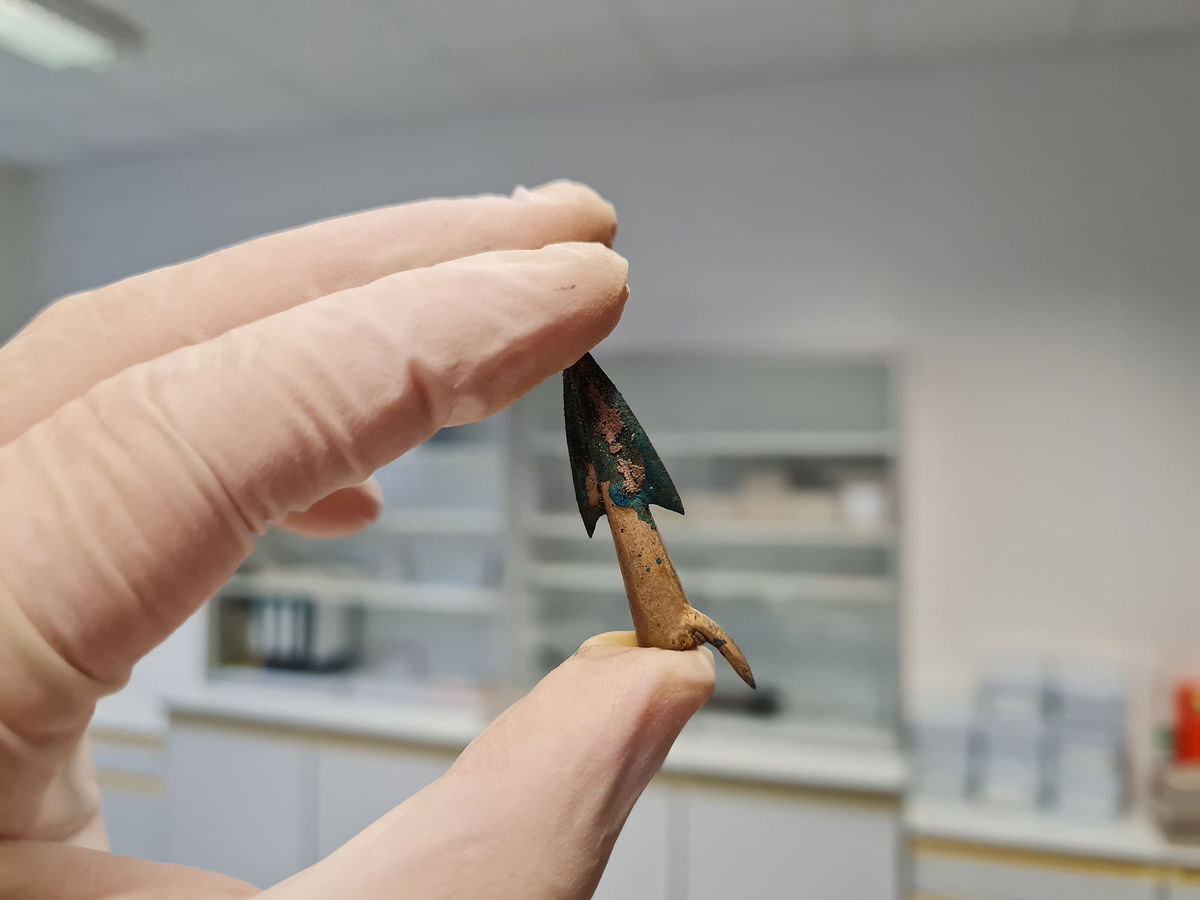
{"points": [[606, 443]]}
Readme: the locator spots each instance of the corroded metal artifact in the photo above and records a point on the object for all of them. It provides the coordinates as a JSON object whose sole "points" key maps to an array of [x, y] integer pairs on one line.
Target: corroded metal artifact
{"points": [[618, 474]]}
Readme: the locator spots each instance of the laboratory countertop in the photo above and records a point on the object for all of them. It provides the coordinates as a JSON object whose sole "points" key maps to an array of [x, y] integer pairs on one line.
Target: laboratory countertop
{"points": [[1133, 838], [719, 753], [131, 713], [778, 761], [451, 727]]}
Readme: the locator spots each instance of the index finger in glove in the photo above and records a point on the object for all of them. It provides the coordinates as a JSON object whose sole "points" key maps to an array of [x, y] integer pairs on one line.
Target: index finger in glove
{"points": [[139, 499], [109, 329], [106, 330]]}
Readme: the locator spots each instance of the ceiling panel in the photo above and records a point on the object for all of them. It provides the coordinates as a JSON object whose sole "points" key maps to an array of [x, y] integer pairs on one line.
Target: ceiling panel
{"points": [[923, 31], [237, 70], [717, 42], [348, 57], [136, 126], [28, 142], [1140, 17], [26, 88], [532, 50], [571, 68], [473, 25], [174, 89]]}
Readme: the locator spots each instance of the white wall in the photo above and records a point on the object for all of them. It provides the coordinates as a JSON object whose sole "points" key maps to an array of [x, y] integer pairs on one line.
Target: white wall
{"points": [[18, 267], [1025, 235]]}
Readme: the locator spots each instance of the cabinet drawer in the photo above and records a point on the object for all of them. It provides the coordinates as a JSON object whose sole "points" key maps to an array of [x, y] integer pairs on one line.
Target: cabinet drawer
{"points": [[240, 801], [135, 817], [947, 869], [1184, 885], [359, 782], [759, 843]]}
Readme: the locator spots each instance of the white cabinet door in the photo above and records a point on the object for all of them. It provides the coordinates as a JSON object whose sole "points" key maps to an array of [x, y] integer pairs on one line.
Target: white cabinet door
{"points": [[135, 815], [1184, 886], [758, 844], [129, 768], [358, 783], [991, 877], [240, 801], [640, 862]]}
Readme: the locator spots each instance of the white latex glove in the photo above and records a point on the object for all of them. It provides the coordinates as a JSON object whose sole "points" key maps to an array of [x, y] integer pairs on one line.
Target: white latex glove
{"points": [[149, 429]]}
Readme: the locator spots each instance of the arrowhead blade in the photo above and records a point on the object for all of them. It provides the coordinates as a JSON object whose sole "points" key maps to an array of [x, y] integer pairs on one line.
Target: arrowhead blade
{"points": [[607, 444]]}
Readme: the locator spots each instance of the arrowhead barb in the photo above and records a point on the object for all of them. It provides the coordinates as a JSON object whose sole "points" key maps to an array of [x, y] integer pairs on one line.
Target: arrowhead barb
{"points": [[607, 444]]}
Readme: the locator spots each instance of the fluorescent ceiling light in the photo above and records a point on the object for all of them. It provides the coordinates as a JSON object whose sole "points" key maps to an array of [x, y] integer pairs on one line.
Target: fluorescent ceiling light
{"points": [[56, 35]]}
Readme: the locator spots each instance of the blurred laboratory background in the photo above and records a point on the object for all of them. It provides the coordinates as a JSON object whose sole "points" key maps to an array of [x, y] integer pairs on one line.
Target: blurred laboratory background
{"points": [[914, 324]]}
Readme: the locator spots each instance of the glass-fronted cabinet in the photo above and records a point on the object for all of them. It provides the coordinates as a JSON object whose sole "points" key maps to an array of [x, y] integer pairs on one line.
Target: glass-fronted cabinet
{"points": [[409, 610], [788, 470]]}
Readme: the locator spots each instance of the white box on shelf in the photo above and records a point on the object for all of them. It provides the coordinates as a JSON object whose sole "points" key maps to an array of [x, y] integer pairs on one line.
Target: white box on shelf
{"points": [[1075, 752], [1088, 692], [1012, 690], [1015, 781], [1012, 762], [1090, 804], [1005, 739], [945, 743]]}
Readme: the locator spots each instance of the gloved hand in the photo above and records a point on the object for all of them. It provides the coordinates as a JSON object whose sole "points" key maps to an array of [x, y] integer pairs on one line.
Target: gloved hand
{"points": [[149, 429]]}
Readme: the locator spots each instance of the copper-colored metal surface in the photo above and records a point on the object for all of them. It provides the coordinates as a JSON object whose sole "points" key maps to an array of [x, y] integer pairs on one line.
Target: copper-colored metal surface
{"points": [[618, 474], [662, 616]]}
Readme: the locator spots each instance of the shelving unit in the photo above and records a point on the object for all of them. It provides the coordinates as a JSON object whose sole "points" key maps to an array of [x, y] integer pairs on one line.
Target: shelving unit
{"points": [[722, 584], [419, 594], [751, 444], [372, 592], [690, 531]]}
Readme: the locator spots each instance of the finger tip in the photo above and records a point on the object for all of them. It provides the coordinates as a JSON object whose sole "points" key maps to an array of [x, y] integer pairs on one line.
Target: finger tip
{"points": [[600, 258], [685, 677], [548, 307], [701, 669], [577, 194], [596, 289], [564, 189], [611, 639]]}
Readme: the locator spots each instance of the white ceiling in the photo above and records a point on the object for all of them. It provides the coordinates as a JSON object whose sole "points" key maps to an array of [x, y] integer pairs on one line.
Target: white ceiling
{"points": [[218, 72]]}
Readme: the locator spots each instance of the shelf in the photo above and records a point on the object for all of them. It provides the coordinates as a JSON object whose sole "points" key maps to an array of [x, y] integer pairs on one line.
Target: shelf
{"points": [[724, 583], [440, 521], [130, 712], [336, 588], [729, 531], [751, 443], [363, 683], [433, 723]]}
